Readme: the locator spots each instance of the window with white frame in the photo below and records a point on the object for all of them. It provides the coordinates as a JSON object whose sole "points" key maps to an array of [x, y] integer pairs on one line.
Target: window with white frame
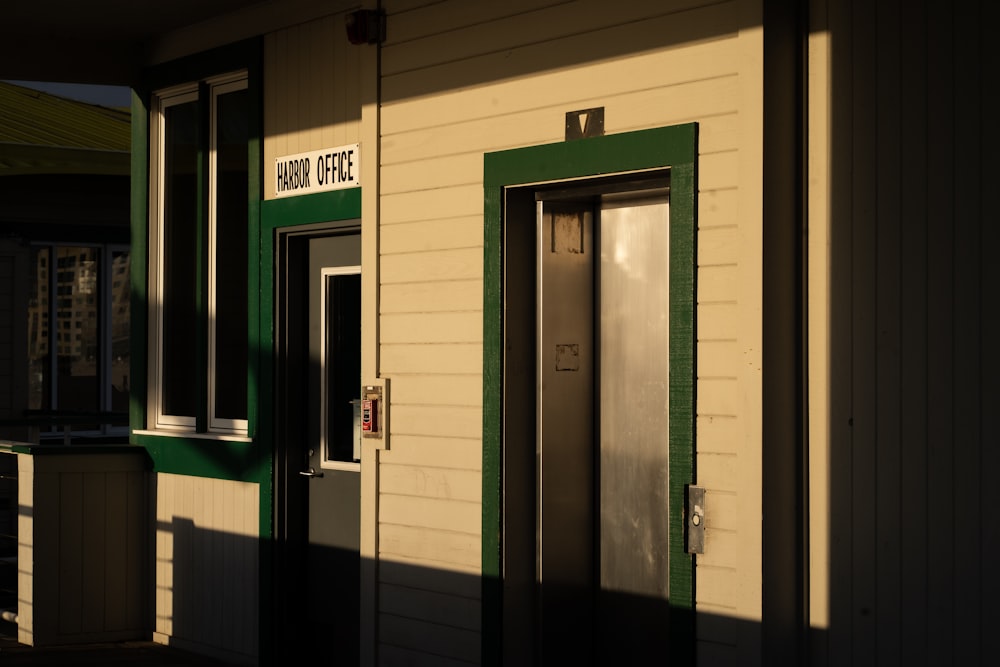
{"points": [[199, 176]]}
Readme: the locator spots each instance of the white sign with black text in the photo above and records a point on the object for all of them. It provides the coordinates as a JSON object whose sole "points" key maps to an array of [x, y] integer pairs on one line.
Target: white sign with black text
{"points": [[317, 171]]}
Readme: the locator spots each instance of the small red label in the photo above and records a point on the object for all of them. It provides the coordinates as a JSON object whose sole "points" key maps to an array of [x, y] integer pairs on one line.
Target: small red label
{"points": [[367, 416]]}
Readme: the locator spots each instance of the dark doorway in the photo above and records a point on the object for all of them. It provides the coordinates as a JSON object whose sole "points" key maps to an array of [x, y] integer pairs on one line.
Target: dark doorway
{"points": [[317, 481]]}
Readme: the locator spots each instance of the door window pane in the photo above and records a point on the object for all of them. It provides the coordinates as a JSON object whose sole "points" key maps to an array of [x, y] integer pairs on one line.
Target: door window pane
{"points": [[342, 366]]}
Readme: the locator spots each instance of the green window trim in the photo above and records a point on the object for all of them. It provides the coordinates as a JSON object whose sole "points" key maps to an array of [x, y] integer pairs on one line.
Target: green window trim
{"points": [[237, 459], [673, 148]]}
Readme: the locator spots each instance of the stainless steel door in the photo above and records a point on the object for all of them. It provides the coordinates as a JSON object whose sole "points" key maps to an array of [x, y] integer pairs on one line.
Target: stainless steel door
{"points": [[566, 420], [602, 419]]}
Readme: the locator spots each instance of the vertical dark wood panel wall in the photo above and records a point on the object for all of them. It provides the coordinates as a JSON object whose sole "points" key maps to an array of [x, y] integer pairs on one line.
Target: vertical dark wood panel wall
{"points": [[913, 329]]}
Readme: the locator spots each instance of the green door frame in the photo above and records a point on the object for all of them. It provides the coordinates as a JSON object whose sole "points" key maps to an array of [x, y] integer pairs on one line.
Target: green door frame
{"points": [[673, 148], [276, 215]]}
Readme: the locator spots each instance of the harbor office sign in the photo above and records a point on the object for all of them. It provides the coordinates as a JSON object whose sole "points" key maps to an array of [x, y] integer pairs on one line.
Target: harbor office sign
{"points": [[317, 171]]}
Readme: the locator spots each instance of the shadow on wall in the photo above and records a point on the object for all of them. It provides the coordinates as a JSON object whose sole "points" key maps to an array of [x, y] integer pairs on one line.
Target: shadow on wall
{"points": [[913, 369], [208, 602], [206, 589]]}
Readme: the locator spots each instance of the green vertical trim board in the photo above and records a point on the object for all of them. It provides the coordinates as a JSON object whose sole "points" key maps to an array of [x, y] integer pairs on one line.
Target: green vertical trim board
{"points": [[255, 193]]}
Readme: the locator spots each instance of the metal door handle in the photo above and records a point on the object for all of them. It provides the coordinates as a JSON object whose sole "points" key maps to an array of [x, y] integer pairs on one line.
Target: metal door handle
{"points": [[310, 473]]}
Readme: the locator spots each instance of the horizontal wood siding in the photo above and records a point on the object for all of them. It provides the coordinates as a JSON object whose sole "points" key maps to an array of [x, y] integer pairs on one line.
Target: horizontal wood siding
{"points": [[206, 564], [461, 79], [311, 91], [907, 361]]}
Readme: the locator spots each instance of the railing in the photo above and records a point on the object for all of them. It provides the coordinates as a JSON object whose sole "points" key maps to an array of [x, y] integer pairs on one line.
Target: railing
{"points": [[35, 420], [33, 476], [67, 419]]}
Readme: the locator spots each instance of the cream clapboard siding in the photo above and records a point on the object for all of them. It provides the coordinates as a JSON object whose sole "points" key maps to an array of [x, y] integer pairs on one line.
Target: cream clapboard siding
{"points": [[311, 91], [461, 79], [207, 529]]}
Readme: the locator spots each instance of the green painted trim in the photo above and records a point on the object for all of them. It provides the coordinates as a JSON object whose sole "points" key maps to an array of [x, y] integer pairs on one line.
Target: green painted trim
{"points": [[670, 147], [202, 457], [338, 205], [492, 585], [610, 154], [259, 352], [683, 374], [255, 352], [276, 214], [307, 209]]}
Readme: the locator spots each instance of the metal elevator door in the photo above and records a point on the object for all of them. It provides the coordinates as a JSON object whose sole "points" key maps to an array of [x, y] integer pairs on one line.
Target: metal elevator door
{"points": [[602, 420]]}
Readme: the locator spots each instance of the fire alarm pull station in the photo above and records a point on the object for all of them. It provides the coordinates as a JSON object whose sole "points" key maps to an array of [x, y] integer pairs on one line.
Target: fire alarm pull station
{"points": [[371, 412]]}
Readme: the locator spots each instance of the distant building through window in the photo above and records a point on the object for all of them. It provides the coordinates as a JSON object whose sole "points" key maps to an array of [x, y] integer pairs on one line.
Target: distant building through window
{"points": [[65, 213], [78, 328]]}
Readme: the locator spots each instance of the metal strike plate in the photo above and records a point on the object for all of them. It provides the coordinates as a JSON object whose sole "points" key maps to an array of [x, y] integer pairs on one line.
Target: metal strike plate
{"points": [[695, 519]]}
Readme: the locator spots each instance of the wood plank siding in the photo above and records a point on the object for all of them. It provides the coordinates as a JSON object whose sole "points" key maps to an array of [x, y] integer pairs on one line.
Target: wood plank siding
{"points": [[903, 365], [311, 91], [459, 80], [207, 532], [82, 547], [898, 292]]}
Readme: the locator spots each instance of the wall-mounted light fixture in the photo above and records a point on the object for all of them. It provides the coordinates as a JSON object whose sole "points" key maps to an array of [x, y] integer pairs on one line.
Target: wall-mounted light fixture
{"points": [[365, 26]]}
